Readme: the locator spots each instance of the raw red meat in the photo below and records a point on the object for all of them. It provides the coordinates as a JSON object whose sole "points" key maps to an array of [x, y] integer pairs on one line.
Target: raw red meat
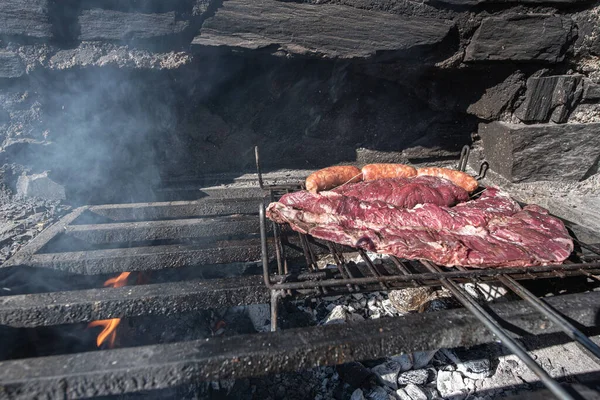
{"points": [[407, 192], [492, 231]]}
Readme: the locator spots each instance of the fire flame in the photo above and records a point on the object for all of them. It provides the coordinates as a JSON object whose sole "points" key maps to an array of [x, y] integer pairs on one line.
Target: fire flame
{"points": [[110, 325]]}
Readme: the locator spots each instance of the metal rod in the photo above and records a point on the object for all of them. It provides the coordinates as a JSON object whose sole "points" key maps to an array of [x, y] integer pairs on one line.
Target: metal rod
{"points": [[483, 168], [590, 247], [258, 170], [573, 269], [493, 325], [549, 312], [263, 246], [276, 295], [464, 157], [339, 265], [371, 267], [278, 248]]}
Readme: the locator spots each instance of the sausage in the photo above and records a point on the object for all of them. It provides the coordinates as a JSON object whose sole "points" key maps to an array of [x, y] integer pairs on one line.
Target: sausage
{"points": [[330, 177], [459, 178], [370, 172]]}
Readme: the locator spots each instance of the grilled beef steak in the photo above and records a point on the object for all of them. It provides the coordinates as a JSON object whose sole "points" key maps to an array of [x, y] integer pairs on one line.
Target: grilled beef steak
{"points": [[492, 231]]}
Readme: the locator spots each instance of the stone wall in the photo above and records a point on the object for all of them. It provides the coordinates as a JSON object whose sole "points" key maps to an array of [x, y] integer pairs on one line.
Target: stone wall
{"points": [[114, 97]]}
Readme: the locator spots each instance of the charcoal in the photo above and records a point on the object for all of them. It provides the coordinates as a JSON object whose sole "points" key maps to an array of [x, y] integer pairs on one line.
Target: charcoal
{"points": [[405, 361], [357, 395], [415, 392], [388, 372]]}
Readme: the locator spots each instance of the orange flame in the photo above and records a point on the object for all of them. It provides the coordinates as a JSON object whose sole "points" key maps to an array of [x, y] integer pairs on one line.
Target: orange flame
{"points": [[110, 325]]}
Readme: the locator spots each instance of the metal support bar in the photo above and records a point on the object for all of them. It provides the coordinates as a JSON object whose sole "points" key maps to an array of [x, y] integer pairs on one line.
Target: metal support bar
{"points": [[144, 231], [136, 369], [470, 304], [549, 312], [55, 308], [110, 261]]}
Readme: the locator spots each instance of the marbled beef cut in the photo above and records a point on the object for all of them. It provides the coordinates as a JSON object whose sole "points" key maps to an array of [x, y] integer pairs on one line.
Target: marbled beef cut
{"points": [[491, 231], [407, 192]]}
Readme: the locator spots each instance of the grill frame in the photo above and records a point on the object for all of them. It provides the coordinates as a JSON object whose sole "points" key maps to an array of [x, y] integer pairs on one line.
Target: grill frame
{"points": [[437, 276], [221, 358]]}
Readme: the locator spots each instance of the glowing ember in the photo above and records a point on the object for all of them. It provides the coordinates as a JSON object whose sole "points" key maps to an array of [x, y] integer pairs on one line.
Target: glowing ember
{"points": [[110, 325]]}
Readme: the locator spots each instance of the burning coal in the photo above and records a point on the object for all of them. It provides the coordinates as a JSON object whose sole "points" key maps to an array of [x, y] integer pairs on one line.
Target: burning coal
{"points": [[109, 333]]}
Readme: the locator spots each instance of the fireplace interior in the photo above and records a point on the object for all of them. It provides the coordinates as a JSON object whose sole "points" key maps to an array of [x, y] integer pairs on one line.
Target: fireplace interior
{"points": [[143, 139]]}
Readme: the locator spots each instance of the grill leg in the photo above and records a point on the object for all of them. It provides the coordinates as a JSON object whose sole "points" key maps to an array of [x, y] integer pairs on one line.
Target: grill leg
{"points": [[276, 295]]}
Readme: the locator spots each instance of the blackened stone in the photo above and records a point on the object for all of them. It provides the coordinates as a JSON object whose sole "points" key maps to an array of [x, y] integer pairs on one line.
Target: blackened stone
{"points": [[495, 99], [28, 18], [588, 32], [100, 24], [533, 37], [40, 185], [551, 97], [319, 30], [143, 6], [11, 65], [526, 153], [591, 90]]}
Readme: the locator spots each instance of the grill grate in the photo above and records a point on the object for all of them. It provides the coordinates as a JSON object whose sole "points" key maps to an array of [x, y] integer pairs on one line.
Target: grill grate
{"points": [[198, 235], [406, 273]]}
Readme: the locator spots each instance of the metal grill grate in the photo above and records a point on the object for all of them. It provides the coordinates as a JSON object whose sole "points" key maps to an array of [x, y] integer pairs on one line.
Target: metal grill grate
{"points": [[197, 235], [398, 273]]}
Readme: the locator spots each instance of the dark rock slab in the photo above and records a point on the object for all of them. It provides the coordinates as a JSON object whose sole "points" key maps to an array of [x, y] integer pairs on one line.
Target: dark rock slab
{"points": [[28, 18], [532, 2], [103, 54], [326, 30], [591, 90], [527, 153], [98, 24], [533, 37], [143, 6], [588, 33], [496, 99], [550, 98], [11, 65]]}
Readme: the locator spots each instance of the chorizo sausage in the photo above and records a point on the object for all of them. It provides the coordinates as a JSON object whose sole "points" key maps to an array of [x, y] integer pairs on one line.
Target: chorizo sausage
{"points": [[459, 178], [370, 172], [330, 177]]}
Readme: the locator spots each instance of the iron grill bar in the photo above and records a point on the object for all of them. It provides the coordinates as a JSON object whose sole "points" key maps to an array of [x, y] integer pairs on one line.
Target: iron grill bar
{"points": [[55, 308], [144, 231], [159, 366], [470, 304], [208, 206], [521, 273], [550, 313], [372, 268]]}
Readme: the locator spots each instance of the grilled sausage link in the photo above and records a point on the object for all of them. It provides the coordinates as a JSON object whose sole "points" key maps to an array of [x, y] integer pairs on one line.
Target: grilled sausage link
{"points": [[459, 178], [370, 172], [330, 177]]}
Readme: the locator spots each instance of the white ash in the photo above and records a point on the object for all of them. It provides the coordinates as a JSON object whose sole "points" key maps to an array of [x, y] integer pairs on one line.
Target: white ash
{"points": [[476, 368], [416, 377], [451, 384]]}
